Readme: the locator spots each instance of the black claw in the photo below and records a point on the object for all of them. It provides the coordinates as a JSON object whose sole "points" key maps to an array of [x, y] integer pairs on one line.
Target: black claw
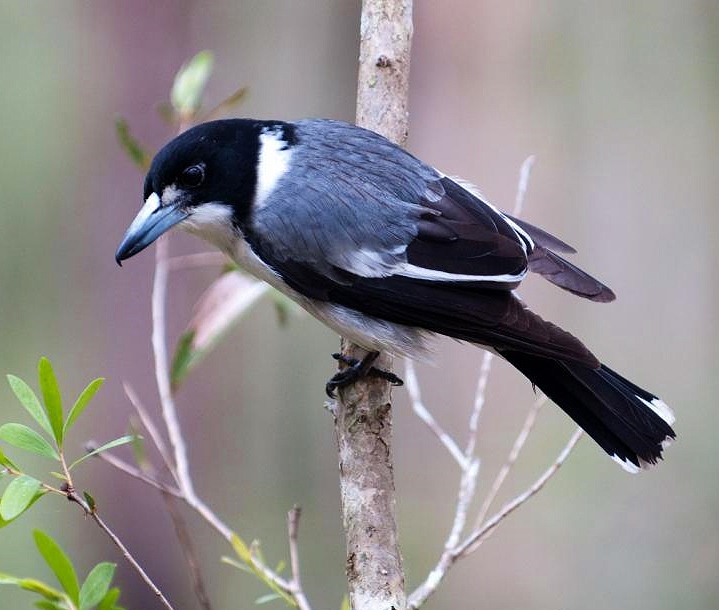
{"points": [[356, 369], [386, 375]]}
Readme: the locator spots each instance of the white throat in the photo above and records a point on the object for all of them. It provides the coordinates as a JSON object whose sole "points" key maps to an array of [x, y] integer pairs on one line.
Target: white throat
{"points": [[212, 222]]}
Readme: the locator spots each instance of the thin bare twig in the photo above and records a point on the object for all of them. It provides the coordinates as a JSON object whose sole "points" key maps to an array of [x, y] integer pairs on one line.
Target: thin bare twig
{"points": [[453, 549], [511, 459], [410, 381], [479, 399], [74, 497], [180, 467], [136, 473], [162, 376], [473, 541], [152, 430], [293, 522], [293, 525], [188, 550], [477, 536], [147, 474]]}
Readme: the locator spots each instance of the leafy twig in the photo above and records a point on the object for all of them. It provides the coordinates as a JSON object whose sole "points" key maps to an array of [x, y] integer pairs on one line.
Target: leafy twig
{"points": [[92, 511]]}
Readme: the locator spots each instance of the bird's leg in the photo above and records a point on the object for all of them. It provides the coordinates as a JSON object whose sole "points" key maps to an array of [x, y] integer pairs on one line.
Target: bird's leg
{"points": [[356, 369]]}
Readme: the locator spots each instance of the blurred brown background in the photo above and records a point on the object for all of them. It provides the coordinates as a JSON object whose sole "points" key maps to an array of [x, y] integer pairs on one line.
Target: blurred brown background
{"points": [[620, 103]]}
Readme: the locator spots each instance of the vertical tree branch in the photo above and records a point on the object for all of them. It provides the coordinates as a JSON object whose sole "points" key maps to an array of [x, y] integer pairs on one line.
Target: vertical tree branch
{"points": [[383, 79], [363, 414]]}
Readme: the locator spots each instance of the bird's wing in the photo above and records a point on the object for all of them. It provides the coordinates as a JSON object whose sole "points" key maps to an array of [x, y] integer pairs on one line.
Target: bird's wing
{"points": [[464, 311], [356, 204]]}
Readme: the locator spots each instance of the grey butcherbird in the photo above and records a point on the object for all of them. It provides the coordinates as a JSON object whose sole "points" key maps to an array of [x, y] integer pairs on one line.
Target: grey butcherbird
{"points": [[388, 251]]}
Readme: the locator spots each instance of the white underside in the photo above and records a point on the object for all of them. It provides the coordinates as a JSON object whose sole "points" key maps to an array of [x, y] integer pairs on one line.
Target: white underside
{"points": [[370, 333], [211, 221]]}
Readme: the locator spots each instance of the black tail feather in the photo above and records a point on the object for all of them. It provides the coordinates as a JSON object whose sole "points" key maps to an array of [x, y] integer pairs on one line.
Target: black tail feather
{"points": [[629, 423]]}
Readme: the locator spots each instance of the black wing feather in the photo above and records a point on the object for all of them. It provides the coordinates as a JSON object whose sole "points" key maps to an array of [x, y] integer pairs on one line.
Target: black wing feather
{"points": [[562, 273], [496, 318]]}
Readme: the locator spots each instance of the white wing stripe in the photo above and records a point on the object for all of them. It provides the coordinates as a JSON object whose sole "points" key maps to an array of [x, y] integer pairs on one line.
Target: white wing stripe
{"points": [[420, 273]]}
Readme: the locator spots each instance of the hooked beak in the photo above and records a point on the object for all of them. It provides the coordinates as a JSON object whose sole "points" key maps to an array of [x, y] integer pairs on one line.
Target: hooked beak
{"points": [[151, 221]]}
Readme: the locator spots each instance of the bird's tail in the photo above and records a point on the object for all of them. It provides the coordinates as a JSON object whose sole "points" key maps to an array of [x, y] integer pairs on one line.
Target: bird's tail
{"points": [[630, 424]]}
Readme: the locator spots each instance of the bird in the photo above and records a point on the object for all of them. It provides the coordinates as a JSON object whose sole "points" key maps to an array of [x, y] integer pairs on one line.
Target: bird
{"points": [[389, 252]]}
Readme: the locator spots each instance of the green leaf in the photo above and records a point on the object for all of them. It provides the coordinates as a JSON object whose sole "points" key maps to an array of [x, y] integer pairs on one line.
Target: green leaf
{"points": [[7, 462], [270, 597], [51, 395], [39, 587], [44, 604], [225, 105], [82, 401], [96, 585], [39, 494], [6, 579], [166, 112], [123, 440], [108, 602], [235, 564], [345, 603], [91, 504], [243, 552], [138, 448], [227, 300], [190, 83], [29, 400], [134, 150], [22, 437], [183, 359], [59, 563], [18, 496], [36, 586]]}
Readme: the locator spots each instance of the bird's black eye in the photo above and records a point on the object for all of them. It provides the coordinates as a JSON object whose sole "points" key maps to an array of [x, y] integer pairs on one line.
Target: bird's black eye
{"points": [[192, 176]]}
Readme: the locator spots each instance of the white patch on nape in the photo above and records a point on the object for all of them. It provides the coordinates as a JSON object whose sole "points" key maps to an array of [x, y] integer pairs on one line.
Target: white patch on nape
{"points": [[212, 221], [409, 270], [272, 163], [628, 466], [661, 409]]}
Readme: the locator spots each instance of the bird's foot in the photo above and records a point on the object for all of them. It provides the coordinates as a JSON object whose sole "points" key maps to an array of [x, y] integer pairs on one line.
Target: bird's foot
{"points": [[356, 369]]}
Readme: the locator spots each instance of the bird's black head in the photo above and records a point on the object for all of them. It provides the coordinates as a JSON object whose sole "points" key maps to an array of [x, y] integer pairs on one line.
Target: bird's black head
{"points": [[205, 180]]}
